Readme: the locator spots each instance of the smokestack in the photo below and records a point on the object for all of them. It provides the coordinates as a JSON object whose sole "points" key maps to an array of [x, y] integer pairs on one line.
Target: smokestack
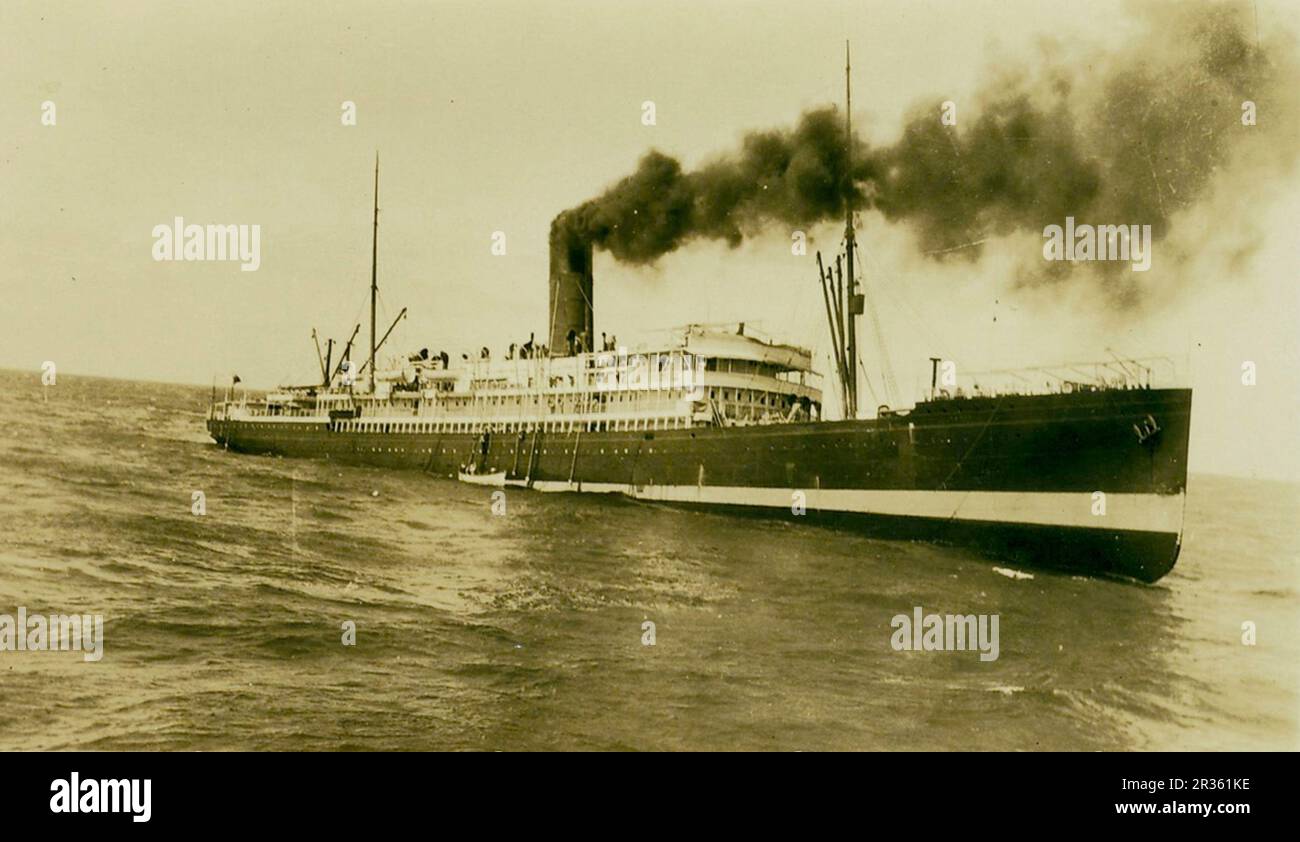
{"points": [[571, 284]]}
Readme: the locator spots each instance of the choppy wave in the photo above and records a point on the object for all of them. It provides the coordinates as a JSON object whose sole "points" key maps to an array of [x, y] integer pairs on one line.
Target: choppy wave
{"points": [[531, 630]]}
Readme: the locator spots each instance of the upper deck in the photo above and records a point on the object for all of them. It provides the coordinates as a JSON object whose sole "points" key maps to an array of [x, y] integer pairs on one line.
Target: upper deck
{"points": [[699, 375]]}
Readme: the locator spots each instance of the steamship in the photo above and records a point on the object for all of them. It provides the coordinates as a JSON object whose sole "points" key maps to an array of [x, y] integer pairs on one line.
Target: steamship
{"points": [[1086, 475]]}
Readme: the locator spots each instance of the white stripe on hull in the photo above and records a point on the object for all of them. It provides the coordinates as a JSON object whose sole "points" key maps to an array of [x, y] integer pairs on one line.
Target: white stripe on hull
{"points": [[1124, 512]]}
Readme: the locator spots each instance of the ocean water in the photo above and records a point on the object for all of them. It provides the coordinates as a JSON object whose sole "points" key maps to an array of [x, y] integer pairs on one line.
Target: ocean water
{"points": [[524, 630]]}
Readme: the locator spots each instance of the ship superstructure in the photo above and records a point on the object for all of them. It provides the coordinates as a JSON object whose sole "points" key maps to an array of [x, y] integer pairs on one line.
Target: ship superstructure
{"points": [[703, 376]]}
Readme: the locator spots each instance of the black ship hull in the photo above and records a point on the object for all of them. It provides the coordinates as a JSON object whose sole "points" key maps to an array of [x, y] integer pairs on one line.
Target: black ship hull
{"points": [[1091, 482]]}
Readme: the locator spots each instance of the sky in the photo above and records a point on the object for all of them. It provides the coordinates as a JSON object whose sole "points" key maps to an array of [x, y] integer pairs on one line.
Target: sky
{"points": [[495, 116]]}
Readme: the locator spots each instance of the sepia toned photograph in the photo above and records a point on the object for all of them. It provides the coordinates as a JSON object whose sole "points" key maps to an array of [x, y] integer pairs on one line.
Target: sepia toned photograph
{"points": [[718, 376]]}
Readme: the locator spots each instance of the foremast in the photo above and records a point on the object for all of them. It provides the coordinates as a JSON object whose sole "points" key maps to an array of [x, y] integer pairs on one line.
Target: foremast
{"points": [[374, 275]]}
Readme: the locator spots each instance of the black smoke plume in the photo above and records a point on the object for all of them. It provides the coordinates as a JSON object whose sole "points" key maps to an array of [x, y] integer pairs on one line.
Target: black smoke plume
{"points": [[1131, 136], [797, 176]]}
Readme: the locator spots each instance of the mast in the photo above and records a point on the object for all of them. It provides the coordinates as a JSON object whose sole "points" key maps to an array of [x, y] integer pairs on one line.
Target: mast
{"points": [[374, 275], [319, 358], [854, 302]]}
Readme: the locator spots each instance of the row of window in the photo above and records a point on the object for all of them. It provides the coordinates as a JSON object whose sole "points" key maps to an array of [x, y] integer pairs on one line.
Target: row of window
{"points": [[430, 427], [750, 397], [255, 426]]}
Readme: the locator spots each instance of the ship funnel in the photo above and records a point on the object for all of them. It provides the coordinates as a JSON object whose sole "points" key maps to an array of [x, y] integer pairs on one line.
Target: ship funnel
{"points": [[570, 297]]}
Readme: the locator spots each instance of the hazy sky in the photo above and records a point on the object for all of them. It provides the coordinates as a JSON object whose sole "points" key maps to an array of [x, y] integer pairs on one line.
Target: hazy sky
{"points": [[495, 116]]}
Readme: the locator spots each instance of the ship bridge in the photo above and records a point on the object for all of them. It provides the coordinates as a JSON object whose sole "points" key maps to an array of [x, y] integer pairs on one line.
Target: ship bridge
{"points": [[738, 343]]}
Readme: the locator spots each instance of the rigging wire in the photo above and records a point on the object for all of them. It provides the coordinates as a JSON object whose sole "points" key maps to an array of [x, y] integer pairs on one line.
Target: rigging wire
{"points": [[887, 382], [867, 377]]}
